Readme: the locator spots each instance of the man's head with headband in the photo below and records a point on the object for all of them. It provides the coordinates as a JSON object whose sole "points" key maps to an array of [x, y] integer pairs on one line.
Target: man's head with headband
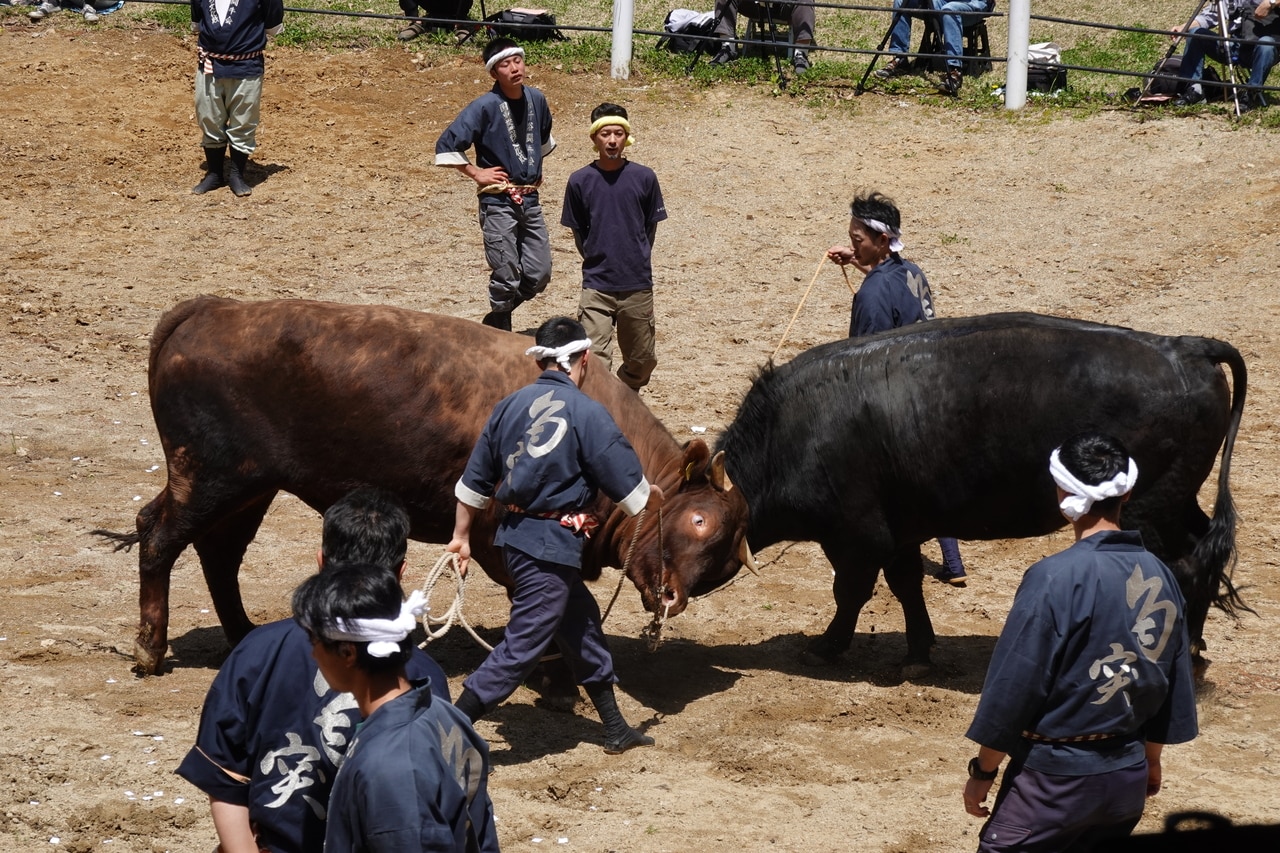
{"points": [[610, 131], [1096, 474], [360, 605], [562, 343], [499, 51], [877, 217]]}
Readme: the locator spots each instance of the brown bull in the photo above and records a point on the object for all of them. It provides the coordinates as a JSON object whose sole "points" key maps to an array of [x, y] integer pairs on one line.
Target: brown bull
{"points": [[316, 398]]}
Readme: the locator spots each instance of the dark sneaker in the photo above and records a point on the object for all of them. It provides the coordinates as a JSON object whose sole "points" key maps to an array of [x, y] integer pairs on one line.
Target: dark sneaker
{"points": [[800, 61], [951, 81], [895, 67], [1251, 101], [957, 579], [725, 54], [1192, 95]]}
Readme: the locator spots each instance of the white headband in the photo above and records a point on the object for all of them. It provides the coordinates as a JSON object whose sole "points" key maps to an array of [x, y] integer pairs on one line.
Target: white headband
{"points": [[895, 237], [560, 354], [501, 55], [383, 635], [1081, 497]]}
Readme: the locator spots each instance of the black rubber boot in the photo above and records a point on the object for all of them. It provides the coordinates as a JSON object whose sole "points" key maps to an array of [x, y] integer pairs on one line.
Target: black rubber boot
{"points": [[214, 160], [618, 735], [235, 177], [498, 320], [470, 704]]}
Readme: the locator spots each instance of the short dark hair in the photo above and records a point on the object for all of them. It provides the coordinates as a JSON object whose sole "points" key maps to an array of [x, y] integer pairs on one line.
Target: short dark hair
{"points": [[367, 525], [1093, 458], [557, 332], [608, 109], [874, 205], [496, 46], [356, 591]]}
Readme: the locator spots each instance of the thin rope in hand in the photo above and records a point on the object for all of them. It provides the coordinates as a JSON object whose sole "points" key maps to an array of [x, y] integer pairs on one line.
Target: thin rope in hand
{"points": [[787, 331], [448, 563]]}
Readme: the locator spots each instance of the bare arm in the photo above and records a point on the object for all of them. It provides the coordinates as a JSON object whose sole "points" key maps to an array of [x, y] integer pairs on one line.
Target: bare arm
{"points": [[461, 542], [976, 790], [1154, 774], [234, 831]]}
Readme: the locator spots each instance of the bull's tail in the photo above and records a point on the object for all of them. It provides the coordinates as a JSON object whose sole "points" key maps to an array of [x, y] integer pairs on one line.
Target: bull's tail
{"points": [[1215, 553], [124, 541]]}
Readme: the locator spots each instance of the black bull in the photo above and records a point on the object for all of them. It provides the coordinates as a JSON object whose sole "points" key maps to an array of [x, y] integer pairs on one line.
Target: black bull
{"points": [[873, 446], [313, 398]]}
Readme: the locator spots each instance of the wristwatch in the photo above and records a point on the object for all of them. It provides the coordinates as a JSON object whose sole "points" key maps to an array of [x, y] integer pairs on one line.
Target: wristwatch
{"points": [[976, 771]]}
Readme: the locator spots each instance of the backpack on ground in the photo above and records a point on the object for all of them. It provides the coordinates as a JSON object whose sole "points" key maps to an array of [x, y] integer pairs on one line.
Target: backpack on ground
{"points": [[1044, 68], [688, 32], [1163, 84], [524, 25]]}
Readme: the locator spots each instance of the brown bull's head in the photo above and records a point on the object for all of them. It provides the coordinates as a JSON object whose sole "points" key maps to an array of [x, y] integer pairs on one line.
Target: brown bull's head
{"points": [[703, 535]]}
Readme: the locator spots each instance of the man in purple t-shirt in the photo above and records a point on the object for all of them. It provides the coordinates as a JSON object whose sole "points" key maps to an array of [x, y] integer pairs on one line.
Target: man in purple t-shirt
{"points": [[614, 206]]}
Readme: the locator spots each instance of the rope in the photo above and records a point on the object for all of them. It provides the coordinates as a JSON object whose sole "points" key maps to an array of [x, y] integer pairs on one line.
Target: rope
{"points": [[448, 563], [437, 626], [787, 331]]}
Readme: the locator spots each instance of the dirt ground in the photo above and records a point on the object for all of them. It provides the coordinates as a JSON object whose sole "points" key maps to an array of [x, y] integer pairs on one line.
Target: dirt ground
{"points": [[1166, 225]]}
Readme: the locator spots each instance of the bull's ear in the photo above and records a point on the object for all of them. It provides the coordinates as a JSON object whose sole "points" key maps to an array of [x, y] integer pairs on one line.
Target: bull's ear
{"points": [[719, 477], [693, 466]]}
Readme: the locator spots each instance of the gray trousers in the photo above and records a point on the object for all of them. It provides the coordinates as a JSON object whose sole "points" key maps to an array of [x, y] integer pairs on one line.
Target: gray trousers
{"points": [[228, 110], [517, 250]]}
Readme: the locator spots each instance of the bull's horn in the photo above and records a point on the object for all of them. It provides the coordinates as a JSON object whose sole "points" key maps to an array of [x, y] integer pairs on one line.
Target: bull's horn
{"points": [[720, 477], [747, 558]]}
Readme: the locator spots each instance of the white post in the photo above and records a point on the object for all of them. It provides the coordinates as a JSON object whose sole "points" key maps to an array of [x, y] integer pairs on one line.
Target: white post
{"points": [[623, 17], [1015, 81]]}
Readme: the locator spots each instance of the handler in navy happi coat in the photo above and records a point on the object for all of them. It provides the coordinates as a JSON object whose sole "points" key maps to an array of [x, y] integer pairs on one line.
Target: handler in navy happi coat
{"points": [[545, 451]]}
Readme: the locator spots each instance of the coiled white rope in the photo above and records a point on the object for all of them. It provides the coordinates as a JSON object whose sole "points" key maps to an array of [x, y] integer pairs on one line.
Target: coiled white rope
{"points": [[437, 626]]}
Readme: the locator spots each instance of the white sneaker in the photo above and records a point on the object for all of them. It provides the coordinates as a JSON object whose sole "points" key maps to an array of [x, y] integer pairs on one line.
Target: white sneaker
{"points": [[90, 14], [42, 11]]}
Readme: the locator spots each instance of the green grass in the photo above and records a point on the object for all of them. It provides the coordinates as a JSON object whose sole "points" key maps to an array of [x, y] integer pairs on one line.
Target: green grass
{"points": [[854, 32]]}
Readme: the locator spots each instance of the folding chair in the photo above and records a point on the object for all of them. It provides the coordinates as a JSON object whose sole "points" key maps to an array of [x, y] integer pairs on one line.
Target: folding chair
{"points": [[768, 22], [977, 44]]}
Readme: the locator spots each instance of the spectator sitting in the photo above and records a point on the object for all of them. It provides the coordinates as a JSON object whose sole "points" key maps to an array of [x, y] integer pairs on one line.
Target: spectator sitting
{"points": [[92, 10], [952, 25], [801, 17], [1247, 21], [444, 10]]}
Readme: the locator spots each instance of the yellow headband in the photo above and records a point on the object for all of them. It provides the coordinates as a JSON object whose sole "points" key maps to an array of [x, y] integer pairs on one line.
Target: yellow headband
{"points": [[605, 121]]}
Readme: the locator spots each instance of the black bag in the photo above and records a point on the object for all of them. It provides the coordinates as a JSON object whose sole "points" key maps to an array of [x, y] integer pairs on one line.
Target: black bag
{"points": [[682, 34], [1252, 29], [524, 25], [1045, 76], [1163, 83]]}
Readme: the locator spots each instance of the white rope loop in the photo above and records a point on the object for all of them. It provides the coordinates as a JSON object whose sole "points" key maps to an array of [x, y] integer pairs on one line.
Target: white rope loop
{"points": [[437, 626]]}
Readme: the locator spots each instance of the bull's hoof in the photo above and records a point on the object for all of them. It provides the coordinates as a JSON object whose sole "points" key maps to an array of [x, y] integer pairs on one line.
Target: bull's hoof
{"points": [[915, 668], [822, 652], [147, 661]]}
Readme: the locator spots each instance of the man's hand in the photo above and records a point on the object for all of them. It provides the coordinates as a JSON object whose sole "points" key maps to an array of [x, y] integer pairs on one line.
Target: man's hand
{"points": [[462, 547], [488, 177], [841, 255], [975, 794], [1266, 5]]}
